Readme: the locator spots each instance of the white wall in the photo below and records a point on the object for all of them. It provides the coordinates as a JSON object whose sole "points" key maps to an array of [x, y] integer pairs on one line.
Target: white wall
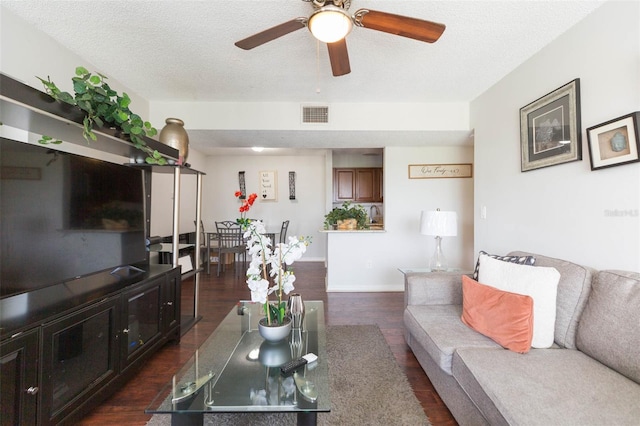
{"points": [[162, 198], [27, 52], [305, 213], [446, 116], [374, 258], [407, 198], [352, 159], [562, 210]]}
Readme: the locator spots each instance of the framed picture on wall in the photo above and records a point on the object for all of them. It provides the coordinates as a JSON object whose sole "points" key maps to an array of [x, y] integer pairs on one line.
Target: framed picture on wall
{"points": [[614, 142], [550, 128], [268, 186]]}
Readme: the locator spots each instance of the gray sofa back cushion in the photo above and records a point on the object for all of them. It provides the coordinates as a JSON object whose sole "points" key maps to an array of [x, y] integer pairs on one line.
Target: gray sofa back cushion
{"points": [[573, 290], [609, 329]]}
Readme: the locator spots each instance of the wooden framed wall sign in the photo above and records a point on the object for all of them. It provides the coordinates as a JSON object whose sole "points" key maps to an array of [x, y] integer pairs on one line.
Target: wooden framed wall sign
{"points": [[440, 171], [268, 186]]}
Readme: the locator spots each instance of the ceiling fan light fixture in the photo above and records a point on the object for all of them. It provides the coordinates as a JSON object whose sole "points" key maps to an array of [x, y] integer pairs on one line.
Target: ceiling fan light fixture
{"points": [[330, 24]]}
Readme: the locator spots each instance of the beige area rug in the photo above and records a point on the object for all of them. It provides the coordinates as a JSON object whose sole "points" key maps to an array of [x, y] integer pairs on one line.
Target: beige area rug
{"points": [[367, 387]]}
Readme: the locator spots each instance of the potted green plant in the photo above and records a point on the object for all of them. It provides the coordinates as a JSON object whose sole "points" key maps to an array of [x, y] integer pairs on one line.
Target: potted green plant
{"points": [[103, 107], [347, 216]]}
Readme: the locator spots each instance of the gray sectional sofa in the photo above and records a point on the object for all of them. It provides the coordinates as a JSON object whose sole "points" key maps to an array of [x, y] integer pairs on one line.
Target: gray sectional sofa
{"points": [[590, 376]]}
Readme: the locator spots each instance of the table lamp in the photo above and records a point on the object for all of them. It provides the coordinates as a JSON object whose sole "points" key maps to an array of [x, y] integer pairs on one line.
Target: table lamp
{"points": [[439, 224]]}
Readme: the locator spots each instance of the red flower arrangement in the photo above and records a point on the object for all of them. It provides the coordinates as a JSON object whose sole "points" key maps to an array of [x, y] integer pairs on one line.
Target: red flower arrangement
{"points": [[244, 208]]}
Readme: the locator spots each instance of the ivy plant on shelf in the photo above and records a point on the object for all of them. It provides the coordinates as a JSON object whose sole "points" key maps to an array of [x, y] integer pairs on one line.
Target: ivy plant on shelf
{"points": [[104, 107]]}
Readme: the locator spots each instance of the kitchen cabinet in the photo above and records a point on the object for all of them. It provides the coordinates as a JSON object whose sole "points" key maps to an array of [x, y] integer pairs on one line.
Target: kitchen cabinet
{"points": [[344, 185], [362, 185]]}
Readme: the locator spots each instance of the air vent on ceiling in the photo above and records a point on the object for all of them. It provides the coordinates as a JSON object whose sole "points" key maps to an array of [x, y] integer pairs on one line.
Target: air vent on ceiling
{"points": [[315, 114]]}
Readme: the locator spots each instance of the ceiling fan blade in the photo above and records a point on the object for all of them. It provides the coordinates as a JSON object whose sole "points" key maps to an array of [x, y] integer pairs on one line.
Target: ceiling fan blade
{"points": [[339, 58], [271, 34], [404, 26]]}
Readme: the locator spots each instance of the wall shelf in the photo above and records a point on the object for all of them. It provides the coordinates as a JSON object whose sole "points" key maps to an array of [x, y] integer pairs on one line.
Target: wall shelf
{"points": [[29, 109]]}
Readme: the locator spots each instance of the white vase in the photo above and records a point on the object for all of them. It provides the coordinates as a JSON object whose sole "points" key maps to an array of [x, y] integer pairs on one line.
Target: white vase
{"points": [[274, 333]]}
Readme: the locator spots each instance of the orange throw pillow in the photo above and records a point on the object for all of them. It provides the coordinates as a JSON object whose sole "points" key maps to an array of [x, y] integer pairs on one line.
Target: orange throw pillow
{"points": [[505, 317]]}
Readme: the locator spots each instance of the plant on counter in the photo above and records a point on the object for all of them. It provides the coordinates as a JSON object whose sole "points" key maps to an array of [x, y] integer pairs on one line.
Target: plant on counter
{"points": [[347, 211], [268, 265], [103, 107]]}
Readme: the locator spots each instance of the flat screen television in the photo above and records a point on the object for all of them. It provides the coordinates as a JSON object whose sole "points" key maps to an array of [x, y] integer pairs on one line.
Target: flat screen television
{"points": [[65, 216]]}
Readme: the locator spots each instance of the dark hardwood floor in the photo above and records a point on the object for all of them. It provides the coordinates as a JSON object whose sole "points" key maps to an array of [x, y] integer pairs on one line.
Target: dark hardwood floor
{"points": [[217, 298]]}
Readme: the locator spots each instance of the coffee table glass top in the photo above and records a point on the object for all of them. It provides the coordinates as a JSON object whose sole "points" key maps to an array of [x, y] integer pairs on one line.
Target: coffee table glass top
{"points": [[236, 370]]}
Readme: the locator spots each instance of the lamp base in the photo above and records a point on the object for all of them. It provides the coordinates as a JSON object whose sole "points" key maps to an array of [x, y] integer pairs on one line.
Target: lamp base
{"points": [[438, 261]]}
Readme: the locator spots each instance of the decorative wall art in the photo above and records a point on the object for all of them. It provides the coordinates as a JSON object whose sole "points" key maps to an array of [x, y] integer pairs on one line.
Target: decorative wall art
{"points": [[268, 186], [439, 171], [243, 188], [292, 185], [614, 142], [550, 128]]}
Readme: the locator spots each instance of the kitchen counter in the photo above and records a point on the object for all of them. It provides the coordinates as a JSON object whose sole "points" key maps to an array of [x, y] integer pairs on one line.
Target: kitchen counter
{"points": [[358, 261]]}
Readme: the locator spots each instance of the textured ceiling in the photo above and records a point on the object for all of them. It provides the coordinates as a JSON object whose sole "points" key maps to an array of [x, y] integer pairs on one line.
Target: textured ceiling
{"points": [[184, 51]]}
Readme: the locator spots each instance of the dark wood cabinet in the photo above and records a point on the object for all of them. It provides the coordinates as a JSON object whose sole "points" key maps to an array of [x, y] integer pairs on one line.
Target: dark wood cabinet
{"points": [[19, 386], [55, 372], [79, 356], [141, 315], [363, 185], [172, 306]]}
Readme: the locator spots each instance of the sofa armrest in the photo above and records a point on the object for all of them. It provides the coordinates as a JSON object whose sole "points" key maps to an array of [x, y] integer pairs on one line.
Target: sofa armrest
{"points": [[433, 288]]}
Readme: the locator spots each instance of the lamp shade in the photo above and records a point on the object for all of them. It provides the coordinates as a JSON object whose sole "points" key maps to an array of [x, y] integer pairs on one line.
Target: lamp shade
{"points": [[438, 223], [330, 24]]}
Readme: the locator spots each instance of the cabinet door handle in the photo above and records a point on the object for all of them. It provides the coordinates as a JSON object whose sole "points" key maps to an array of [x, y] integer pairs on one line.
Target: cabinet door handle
{"points": [[33, 390], [125, 331]]}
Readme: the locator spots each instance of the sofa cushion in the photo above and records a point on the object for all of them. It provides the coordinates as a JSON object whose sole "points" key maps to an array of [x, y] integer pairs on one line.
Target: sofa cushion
{"points": [[573, 290], [609, 329], [506, 318], [520, 260], [439, 330], [546, 387], [538, 282]]}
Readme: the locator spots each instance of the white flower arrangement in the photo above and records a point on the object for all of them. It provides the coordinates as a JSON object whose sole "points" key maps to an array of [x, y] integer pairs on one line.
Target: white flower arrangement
{"points": [[268, 265]]}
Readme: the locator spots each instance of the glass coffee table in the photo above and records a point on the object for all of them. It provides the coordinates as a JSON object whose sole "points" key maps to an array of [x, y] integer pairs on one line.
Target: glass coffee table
{"points": [[236, 371]]}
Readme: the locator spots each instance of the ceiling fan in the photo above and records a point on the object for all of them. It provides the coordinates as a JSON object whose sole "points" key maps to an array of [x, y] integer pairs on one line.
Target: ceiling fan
{"points": [[330, 22]]}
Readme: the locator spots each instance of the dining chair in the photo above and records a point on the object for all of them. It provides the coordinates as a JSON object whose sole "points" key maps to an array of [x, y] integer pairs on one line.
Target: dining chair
{"points": [[230, 241]]}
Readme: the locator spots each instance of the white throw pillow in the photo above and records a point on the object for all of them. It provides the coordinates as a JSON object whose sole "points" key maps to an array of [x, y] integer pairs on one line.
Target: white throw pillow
{"points": [[541, 283]]}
